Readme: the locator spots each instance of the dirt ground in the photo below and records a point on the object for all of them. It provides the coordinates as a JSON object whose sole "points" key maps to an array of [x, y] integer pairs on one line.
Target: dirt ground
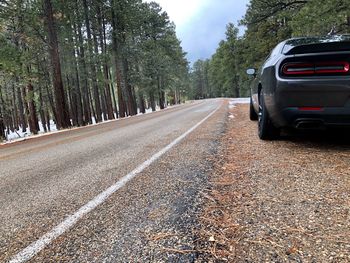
{"points": [[279, 201]]}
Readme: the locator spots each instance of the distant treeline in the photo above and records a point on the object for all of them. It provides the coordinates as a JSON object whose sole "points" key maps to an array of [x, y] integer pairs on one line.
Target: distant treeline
{"points": [[77, 60], [267, 23]]}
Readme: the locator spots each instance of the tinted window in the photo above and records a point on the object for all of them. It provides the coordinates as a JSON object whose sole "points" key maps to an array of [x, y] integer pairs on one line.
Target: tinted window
{"points": [[277, 50], [313, 40]]}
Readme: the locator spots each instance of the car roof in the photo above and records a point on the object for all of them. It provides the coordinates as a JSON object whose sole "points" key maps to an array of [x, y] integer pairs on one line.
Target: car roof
{"points": [[301, 41]]}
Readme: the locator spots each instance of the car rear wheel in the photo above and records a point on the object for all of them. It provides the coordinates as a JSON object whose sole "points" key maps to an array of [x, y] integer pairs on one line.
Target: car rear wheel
{"points": [[267, 131], [252, 114]]}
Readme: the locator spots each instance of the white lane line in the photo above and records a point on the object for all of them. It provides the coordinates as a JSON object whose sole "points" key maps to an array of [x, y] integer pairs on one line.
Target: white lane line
{"points": [[35, 247]]}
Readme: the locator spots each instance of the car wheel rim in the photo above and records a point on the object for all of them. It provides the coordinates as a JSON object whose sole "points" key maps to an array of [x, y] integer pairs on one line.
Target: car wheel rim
{"points": [[260, 114]]}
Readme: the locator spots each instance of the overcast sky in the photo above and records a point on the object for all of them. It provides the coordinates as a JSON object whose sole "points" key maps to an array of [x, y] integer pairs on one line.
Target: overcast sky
{"points": [[201, 24]]}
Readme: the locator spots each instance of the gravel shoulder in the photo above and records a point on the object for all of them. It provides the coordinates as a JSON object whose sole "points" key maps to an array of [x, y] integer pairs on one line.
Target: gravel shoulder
{"points": [[278, 201]]}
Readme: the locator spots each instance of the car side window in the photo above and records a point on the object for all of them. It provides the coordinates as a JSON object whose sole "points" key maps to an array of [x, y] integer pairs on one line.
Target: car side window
{"points": [[277, 50]]}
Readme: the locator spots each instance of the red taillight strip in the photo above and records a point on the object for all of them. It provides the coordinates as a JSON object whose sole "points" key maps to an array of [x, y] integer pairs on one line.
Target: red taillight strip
{"points": [[316, 68], [310, 108], [332, 67], [298, 69]]}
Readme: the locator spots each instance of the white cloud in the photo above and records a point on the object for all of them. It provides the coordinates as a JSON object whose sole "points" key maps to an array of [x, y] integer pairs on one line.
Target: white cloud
{"points": [[181, 11], [201, 24]]}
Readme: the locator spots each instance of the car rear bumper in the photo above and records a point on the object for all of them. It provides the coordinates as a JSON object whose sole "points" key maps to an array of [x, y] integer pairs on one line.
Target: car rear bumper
{"points": [[316, 119], [292, 98]]}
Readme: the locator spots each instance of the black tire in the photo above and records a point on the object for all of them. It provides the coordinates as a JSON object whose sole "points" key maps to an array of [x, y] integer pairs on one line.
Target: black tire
{"points": [[267, 131], [252, 114]]}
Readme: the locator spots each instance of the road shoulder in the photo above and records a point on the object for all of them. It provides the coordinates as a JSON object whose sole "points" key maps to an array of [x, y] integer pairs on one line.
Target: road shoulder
{"points": [[280, 201]]}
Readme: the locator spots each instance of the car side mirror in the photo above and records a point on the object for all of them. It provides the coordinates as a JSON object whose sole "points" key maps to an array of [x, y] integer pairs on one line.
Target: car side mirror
{"points": [[251, 72]]}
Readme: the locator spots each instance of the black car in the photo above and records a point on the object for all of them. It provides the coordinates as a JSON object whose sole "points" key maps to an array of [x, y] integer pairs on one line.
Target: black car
{"points": [[303, 84]]}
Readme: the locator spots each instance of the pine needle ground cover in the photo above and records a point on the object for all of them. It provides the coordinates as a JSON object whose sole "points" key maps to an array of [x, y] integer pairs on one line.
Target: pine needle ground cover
{"points": [[281, 201]]}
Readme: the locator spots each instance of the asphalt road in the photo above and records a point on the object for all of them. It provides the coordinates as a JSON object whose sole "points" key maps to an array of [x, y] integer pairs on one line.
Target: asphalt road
{"points": [[45, 180]]}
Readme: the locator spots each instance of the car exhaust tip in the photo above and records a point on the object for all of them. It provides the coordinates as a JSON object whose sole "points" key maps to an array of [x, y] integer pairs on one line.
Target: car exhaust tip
{"points": [[309, 124]]}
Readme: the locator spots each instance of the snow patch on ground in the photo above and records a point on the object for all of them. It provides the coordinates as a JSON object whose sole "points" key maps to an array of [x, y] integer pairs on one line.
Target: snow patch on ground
{"points": [[19, 135], [236, 101]]}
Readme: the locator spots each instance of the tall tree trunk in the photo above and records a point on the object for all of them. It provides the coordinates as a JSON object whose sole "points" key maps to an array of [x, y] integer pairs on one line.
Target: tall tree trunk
{"points": [[99, 72], [91, 103], [14, 104], [80, 115], [152, 101], [25, 105], [128, 88], [8, 111], [133, 92], [41, 110], [117, 62], [22, 118], [98, 116], [5, 118], [76, 99], [142, 103], [2, 127], [104, 106], [114, 98], [82, 62], [72, 101], [160, 94], [33, 119], [177, 95], [63, 120], [2, 124], [52, 104], [102, 35], [47, 115]]}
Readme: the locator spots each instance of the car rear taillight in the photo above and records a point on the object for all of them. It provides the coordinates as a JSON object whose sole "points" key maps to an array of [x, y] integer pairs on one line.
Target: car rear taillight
{"points": [[332, 67], [316, 68], [298, 69], [310, 108]]}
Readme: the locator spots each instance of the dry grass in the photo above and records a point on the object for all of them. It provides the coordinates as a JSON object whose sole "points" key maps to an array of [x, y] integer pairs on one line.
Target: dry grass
{"points": [[281, 201]]}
